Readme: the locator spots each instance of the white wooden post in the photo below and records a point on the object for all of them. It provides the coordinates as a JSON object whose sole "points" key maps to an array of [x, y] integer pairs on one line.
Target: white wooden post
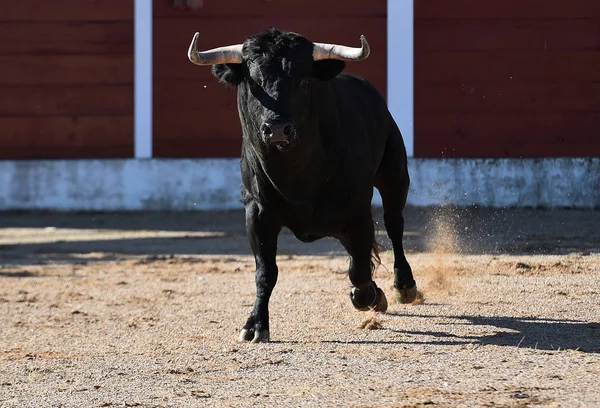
{"points": [[400, 71], [143, 79]]}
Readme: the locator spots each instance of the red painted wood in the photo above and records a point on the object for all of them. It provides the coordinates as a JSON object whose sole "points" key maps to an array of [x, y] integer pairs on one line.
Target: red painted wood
{"points": [[509, 96], [507, 78], [206, 146], [66, 137], [57, 100], [66, 10], [66, 79], [224, 9], [173, 96], [68, 70], [58, 38], [192, 133], [507, 35], [497, 9], [509, 134], [38, 152], [507, 66]]}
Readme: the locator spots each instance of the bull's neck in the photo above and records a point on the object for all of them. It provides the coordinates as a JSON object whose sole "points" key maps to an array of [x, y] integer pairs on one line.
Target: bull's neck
{"points": [[297, 175]]}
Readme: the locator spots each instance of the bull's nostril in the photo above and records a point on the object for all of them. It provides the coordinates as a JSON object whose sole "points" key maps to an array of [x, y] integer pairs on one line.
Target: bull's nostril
{"points": [[266, 129], [287, 130]]}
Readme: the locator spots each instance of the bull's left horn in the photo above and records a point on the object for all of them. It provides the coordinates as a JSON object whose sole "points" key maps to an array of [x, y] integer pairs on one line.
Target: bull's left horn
{"points": [[231, 54], [341, 52]]}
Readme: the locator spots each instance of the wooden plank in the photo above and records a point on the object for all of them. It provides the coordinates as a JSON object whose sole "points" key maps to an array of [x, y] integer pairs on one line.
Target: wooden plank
{"points": [[198, 96], [67, 38], [477, 9], [65, 137], [504, 66], [215, 133], [66, 152], [517, 148], [66, 69], [510, 34], [194, 126], [502, 97], [206, 147], [495, 134], [66, 10], [268, 8], [57, 100]]}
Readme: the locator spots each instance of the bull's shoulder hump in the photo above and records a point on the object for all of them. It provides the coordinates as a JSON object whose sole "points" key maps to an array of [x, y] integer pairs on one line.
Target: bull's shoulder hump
{"points": [[354, 84]]}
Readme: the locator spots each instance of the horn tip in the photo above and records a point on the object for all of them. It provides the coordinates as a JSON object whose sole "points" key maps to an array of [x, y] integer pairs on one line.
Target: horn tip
{"points": [[191, 54], [365, 45]]}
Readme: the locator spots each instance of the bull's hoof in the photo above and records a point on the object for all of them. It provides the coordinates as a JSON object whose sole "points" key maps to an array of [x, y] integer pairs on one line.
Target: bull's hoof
{"points": [[382, 303], [378, 304], [405, 295], [253, 336]]}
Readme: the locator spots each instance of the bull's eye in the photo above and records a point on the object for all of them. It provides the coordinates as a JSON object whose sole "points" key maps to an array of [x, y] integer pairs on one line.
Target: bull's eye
{"points": [[305, 83]]}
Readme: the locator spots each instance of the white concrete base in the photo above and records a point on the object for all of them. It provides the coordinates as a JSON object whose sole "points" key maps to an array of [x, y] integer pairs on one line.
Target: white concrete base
{"points": [[209, 184]]}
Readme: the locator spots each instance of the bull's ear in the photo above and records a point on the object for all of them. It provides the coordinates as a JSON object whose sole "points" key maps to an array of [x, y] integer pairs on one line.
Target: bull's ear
{"points": [[230, 74], [327, 69]]}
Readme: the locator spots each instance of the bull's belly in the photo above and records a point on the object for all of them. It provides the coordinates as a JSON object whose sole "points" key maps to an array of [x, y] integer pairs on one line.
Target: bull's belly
{"points": [[313, 232], [326, 221], [308, 237]]}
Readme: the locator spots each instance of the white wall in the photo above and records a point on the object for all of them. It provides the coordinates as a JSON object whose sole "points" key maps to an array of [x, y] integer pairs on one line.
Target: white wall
{"points": [[210, 184]]}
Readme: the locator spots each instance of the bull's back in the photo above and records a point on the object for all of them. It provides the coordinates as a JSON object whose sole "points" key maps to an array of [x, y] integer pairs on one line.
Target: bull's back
{"points": [[364, 121], [359, 101]]}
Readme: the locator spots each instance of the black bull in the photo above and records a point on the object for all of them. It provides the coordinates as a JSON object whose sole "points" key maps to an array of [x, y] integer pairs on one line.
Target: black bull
{"points": [[315, 142]]}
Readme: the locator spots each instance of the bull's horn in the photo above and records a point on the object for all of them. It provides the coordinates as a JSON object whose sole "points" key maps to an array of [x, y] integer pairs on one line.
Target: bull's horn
{"points": [[232, 54], [341, 52]]}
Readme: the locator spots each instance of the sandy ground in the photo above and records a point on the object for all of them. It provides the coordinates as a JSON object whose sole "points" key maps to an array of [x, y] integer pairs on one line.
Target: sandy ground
{"points": [[113, 310]]}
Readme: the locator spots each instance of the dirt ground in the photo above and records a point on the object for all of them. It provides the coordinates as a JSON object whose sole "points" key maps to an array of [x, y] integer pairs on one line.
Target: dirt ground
{"points": [[113, 310]]}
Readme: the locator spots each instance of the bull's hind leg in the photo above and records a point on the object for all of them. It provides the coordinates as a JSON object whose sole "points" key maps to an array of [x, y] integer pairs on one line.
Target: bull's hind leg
{"points": [[359, 236], [262, 232], [392, 181]]}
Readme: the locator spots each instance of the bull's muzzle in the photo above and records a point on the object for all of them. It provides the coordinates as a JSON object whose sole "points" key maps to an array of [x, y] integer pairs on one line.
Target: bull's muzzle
{"points": [[280, 134]]}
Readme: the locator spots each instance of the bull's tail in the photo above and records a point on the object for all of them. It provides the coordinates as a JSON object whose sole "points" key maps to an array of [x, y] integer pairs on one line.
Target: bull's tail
{"points": [[375, 259]]}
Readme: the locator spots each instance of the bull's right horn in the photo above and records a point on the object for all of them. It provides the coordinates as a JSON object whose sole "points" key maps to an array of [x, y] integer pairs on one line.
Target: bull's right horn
{"points": [[341, 52], [231, 54]]}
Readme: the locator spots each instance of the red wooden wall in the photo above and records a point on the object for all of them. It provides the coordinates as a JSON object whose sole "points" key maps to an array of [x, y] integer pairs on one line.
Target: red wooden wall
{"points": [[194, 115], [66, 79], [507, 78]]}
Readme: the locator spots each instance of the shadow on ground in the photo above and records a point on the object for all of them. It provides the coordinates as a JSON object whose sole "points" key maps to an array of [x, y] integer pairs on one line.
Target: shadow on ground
{"points": [[532, 333], [53, 237]]}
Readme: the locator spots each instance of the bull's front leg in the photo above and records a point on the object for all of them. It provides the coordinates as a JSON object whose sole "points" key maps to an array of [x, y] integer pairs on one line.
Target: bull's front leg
{"points": [[359, 241], [262, 229]]}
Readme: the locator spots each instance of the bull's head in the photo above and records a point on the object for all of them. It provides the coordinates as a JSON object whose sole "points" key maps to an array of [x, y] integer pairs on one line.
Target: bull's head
{"points": [[275, 72]]}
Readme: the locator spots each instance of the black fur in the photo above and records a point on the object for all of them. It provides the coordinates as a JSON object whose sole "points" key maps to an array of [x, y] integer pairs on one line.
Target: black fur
{"points": [[347, 143], [229, 74]]}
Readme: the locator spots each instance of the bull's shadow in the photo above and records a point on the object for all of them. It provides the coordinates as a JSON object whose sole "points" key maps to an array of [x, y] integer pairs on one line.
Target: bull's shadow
{"points": [[540, 333], [518, 332], [118, 235]]}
